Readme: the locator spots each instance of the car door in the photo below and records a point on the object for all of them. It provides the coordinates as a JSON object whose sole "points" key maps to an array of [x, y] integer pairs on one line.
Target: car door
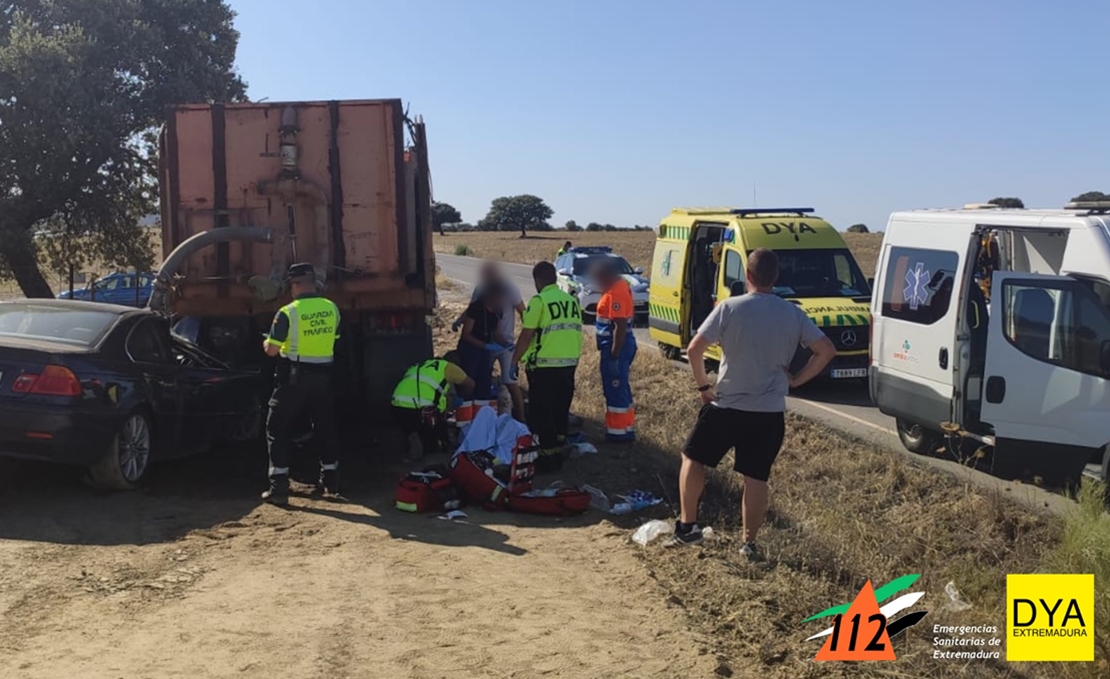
{"points": [[104, 290], [1046, 375], [212, 396], [160, 377]]}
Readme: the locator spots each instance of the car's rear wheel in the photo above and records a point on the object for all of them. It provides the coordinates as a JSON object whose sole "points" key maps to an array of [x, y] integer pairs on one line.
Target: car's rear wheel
{"points": [[918, 439], [125, 464]]}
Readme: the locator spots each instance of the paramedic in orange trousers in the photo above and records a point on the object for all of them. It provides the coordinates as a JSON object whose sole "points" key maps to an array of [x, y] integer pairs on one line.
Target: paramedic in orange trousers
{"points": [[617, 347]]}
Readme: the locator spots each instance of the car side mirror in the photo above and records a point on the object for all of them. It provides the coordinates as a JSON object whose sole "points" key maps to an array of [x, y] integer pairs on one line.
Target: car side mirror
{"points": [[737, 288], [638, 271], [564, 272]]}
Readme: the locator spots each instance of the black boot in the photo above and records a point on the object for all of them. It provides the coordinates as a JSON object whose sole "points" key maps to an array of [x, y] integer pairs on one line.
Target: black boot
{"points": [[278, 493]]}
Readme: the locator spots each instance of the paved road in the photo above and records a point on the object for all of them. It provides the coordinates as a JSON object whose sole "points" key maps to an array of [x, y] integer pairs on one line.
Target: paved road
{"points": [[845, 407]]}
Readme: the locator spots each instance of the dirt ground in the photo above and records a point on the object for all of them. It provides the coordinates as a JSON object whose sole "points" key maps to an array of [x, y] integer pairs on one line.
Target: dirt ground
{"points": [[190, 577]]}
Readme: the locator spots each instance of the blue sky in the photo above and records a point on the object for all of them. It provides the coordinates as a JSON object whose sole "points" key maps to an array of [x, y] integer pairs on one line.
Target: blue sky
{"points": [[617, 110]]}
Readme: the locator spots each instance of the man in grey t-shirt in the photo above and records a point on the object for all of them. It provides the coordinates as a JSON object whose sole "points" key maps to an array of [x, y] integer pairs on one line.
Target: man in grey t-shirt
{"points": [[758, 334]]}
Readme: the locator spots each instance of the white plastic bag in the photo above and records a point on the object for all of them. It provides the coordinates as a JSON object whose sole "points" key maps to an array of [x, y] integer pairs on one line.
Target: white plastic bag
{"points": [[652, 530]]}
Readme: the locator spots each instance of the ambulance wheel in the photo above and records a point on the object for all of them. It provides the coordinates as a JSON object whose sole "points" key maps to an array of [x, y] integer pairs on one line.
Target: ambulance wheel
{"points": [[918, 439], [670, 353]]}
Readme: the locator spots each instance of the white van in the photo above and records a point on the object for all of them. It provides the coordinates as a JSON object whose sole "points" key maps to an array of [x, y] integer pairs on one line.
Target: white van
{"points": [[995, 323]]}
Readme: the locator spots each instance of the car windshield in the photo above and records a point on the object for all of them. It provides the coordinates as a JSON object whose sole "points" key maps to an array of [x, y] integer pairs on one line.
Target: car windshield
{"points": [[583, 265], [819, 273], [71, 326]]}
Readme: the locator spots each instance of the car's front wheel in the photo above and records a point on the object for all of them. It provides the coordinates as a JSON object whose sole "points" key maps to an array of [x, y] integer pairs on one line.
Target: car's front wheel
{"points": [[125, 464]]}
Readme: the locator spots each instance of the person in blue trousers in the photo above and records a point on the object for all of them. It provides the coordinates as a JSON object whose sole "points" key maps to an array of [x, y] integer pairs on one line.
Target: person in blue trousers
{"points": [[481, 340], [617, 346]]}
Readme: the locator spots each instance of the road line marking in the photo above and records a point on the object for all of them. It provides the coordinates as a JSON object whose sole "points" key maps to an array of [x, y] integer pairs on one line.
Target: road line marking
{"points": [[853, 418]]}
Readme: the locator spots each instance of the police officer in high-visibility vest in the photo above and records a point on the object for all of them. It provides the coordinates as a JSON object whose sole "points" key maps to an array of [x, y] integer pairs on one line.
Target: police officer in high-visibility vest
{"points": [[567, 247], [550, 344], [617, 346], [421, 398], [303, 338]]}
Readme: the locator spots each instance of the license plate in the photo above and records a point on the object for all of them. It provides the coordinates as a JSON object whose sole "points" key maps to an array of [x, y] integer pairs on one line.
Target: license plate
{"points": [[848, 372]]}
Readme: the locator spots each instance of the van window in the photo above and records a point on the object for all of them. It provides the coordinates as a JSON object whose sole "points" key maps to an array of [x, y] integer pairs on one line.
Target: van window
{"points": [[1065, 325], [733, 271], [918, 284]]}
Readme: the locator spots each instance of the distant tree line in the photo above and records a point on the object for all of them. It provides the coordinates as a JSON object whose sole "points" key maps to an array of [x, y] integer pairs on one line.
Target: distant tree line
{"points": [[521, 213]]}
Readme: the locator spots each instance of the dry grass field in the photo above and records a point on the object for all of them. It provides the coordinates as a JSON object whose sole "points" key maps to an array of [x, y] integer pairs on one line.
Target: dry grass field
{"points": [[842, 511], [636, 246]]}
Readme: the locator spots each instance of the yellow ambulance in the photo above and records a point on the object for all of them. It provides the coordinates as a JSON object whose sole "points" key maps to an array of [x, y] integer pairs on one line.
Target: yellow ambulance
{"points": [[700, 255]]}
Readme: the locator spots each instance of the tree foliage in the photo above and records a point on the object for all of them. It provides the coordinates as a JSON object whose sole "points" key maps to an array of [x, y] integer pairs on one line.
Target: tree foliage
{"points": [[524, 213], [572, 225], [1091, 196], [858, 228], [83, 86], [444, 213], [1007, 202]]}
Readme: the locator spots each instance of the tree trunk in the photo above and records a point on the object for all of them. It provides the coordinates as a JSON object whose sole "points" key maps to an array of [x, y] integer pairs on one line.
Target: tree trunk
{"points": [[523, 232], [21, 259]]}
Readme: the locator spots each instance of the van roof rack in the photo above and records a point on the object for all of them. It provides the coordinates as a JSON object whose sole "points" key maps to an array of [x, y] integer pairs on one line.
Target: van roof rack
{"points": [[745, 211], [591, 250], [1091, 207], [981, 206]]}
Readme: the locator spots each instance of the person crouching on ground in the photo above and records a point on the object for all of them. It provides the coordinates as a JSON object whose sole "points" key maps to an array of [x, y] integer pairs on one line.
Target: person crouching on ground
{"points": [[616, 345], [481, 340], [421, 398], [758, 333]]}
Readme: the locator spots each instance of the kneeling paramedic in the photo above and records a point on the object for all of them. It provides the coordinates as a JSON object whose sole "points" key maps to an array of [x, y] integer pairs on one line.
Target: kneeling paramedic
{"points": [[550, 344], [616, 345], [303, 337], [421, 398]]}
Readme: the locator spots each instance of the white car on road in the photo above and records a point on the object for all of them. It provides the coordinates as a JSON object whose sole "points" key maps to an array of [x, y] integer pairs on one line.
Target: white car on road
{"points": [[574, 270]]}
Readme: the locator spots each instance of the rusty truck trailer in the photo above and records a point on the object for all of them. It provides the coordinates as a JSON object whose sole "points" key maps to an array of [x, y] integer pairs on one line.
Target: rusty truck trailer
{"points": [[331, 183]]}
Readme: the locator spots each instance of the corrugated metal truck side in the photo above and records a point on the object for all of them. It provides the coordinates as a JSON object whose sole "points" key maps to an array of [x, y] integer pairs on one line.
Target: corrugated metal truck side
{"points": [[337, 187]]}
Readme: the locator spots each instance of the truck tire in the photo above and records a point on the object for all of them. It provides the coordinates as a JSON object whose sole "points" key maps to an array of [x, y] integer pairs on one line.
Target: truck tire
{"points": [[918, 439], [125, 464]]}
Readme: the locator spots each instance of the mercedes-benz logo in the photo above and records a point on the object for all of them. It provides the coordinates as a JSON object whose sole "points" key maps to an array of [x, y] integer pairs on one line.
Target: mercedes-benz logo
{"points": [[848, 338]]}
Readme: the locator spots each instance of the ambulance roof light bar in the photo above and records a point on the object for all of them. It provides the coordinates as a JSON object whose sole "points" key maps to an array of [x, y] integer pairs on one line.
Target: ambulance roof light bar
{"points": [[746, 211]]}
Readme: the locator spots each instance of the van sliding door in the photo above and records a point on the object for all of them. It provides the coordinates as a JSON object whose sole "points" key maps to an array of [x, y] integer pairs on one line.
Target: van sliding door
{"points": [[1047, 375]]}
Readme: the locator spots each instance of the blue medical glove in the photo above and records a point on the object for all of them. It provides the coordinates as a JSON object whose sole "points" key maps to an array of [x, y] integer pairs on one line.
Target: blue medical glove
{"points": [[509, 346], [514, 373], [494, 347]]}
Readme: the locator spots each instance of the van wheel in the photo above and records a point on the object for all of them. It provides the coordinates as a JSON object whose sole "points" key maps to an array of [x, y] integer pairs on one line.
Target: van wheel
{"points": [[918, 439], [125, 465]]}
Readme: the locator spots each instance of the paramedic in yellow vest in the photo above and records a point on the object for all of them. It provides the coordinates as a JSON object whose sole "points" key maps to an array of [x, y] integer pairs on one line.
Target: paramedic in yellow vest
{"points": [[302, 338], [567, 247], [421, 398], [550, 344]]}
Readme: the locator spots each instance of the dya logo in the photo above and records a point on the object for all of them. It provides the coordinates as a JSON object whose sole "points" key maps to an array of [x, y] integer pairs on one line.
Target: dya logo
{"points": [[862, 630]]}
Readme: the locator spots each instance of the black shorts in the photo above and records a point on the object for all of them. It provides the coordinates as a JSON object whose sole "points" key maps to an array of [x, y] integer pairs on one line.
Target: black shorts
{"points": [[757, 438]]}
